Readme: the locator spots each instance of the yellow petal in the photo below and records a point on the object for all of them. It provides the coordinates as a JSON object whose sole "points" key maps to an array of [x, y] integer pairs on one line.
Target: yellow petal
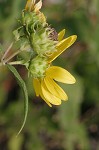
{"points": [[61, 35], [36, 84], [29, 5], [60, 74], [38, 6], [62, 46], [37, 88], [41, 94], [48, 96], [55, 89]]}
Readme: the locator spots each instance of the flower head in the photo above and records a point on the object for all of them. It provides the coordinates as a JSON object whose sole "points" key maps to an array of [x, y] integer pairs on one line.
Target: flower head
{"points": [[45, 85]]}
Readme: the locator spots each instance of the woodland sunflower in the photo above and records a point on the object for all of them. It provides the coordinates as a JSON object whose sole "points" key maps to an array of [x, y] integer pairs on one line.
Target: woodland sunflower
{"points": [[47, 45], [46, 86]]}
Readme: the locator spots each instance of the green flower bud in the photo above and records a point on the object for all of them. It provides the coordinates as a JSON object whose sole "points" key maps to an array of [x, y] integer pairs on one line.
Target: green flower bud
{"points": [[34, 34], [42, 43], [32, 21], [38, 67]]}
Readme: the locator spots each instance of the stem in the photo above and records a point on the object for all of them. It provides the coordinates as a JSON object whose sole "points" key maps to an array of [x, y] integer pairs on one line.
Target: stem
{"points": [[13, 55], [13, 63], [6, 52], [16, 63]]}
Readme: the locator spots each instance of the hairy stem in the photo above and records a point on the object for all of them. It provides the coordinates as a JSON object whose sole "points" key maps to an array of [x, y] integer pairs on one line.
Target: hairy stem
{"points": [[16, 63], [6, 52], [11, 56]]}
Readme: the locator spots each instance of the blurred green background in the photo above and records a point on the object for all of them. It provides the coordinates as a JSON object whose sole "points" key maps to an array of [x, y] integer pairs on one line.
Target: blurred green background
{"points": [[75, 124]]}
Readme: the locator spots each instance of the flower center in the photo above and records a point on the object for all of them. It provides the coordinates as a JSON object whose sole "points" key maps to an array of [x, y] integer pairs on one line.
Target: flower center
{"points": [[53, 35]]}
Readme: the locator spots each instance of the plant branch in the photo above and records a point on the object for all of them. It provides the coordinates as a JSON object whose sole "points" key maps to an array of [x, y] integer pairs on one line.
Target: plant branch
{"points": [[6, 52], [16, 63], [13, 55]]}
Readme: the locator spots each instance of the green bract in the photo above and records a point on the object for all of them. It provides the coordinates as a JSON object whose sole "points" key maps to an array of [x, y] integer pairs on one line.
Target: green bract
{"points": [[42, 43], [37, 67], [31, 21]]}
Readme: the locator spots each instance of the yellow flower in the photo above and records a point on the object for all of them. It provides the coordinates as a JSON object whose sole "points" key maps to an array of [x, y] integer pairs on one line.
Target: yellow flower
{"points": [[45, 86]]}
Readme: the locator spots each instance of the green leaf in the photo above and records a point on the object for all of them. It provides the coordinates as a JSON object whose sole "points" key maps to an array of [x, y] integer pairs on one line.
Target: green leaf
{"points": [[23, 86]]}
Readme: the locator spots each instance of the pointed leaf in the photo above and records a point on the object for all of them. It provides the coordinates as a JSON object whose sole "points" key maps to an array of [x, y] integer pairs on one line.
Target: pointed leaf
{"points": [[23, 86]]}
